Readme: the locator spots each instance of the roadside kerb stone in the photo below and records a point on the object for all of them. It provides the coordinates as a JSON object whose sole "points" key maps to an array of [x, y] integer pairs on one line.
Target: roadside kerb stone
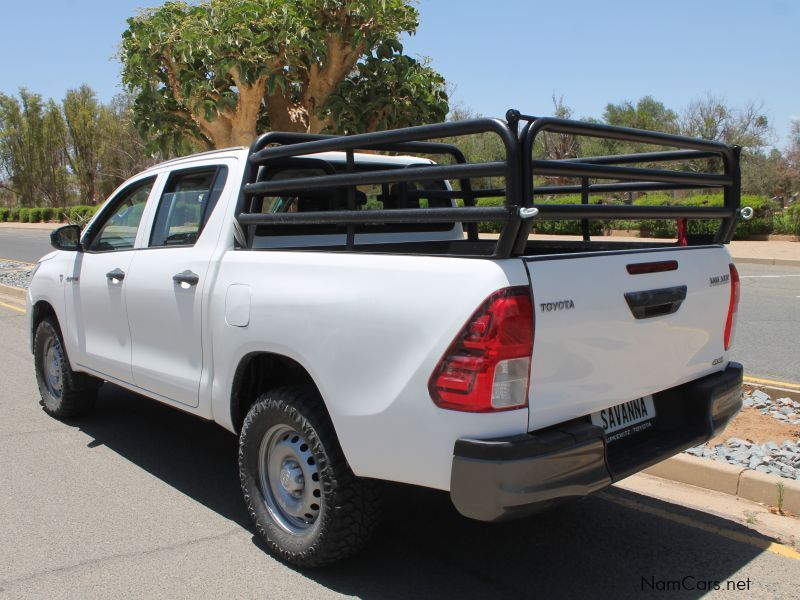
{"points": [[699, 472], [763, 488], [775, 262], [729, 479]]}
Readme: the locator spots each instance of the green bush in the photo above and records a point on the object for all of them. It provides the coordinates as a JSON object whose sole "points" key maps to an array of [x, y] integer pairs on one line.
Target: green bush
{"points": [[567, 227], [547, 227], [46, 214], [760, 224], [764, 220], [655, 227], [702, 227], [789, 222], [488, 226], [782, 224], [80, 213]]}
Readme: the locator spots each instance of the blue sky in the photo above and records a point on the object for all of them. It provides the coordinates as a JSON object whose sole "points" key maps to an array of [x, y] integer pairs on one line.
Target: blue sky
{"points": [[497, 53]]}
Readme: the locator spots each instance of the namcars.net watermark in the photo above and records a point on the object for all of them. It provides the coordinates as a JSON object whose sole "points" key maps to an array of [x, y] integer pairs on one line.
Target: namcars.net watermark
{"points": [[691, 583]]}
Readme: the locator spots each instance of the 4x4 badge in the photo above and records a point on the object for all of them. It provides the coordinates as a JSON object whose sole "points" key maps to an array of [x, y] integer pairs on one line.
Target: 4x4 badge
{"points": [[719, 280]]}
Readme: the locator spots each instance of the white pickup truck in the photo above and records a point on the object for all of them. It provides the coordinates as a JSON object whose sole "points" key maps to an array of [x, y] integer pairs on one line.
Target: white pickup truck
{"points": [[341, 313]]}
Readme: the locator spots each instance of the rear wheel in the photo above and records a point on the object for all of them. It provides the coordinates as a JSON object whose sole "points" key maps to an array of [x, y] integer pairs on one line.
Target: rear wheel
{"points": [[306, 503], [64, 393]]}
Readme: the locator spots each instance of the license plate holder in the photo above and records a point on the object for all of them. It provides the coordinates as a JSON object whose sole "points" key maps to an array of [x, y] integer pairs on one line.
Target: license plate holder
{"points": [[626, 419]]}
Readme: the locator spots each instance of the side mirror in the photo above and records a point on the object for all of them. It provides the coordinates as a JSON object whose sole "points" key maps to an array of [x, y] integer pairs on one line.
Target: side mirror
{"points": [[67, 238]]}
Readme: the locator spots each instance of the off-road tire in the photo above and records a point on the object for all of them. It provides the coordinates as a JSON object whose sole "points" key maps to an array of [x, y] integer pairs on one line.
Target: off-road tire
{"points": [[350, 505], [77, 392]]}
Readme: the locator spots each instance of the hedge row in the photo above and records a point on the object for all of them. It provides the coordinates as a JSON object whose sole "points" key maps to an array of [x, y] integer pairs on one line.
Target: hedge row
{"points": [[72, 214], [765, 219]]}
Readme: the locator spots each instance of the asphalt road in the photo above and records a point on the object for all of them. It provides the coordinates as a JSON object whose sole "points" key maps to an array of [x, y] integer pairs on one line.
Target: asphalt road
{"points": [[767, 338], [24, 244], [768, 325], [138, 500]]}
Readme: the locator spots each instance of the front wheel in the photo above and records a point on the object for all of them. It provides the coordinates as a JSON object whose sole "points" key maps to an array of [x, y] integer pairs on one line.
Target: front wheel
{"points": [[306, 503], [64, 393]]}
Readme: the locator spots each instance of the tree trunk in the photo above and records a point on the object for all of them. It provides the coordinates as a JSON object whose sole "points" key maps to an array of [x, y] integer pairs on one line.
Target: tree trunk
{"points": [[285, 115], [243, 120]]}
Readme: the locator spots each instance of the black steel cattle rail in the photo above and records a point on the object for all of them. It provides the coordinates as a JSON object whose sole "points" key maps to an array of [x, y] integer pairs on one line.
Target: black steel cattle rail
{"points": [[519, 170]]}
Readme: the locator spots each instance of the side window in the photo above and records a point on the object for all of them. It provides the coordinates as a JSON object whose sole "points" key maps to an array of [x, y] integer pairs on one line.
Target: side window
{"points": [[118, 229], [184, 207]]}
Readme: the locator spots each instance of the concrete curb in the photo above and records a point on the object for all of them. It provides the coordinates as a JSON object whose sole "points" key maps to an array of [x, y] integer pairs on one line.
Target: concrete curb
{"points": [[23, 226], [776, 262], [14, 292], [729, 479]]}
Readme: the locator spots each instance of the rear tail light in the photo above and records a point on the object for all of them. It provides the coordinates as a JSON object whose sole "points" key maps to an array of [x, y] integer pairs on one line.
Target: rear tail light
{"points": [[733, 308], [487, 366]]}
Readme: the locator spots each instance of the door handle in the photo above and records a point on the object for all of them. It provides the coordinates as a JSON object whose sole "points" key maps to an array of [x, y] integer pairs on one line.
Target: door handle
{"points": [[656, 303], [116, 274], [186, 277]]}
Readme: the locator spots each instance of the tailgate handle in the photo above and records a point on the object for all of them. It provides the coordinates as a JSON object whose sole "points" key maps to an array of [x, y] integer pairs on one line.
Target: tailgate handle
{"points": [[656, 303]]}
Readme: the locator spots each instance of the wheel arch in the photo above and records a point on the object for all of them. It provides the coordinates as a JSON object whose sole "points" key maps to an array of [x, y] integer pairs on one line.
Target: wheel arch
{"points": [[258, 372], [41, 310]]}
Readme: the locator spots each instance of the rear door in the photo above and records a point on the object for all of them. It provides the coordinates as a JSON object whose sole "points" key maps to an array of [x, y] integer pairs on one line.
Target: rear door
{"points": [[166, 284], [604, 336]]}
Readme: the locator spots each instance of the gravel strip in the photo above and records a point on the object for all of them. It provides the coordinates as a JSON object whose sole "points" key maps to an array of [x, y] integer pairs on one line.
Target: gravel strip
{"points": [[784, 410], [773, 458], [15, 274]]}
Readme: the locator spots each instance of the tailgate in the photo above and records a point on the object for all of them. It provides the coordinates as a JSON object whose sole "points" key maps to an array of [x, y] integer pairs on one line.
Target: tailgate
{"points": [[591, 352]]}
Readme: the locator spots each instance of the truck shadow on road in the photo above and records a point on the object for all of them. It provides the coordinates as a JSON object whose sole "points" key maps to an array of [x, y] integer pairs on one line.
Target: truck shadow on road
{"points": [[424, 549]]}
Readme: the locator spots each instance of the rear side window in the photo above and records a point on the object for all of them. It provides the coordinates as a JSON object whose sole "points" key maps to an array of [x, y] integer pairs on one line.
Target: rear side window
{"points": [[185, 205]]}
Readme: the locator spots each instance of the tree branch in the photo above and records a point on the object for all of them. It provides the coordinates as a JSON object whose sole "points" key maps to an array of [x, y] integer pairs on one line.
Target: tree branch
{"points": [[323, 80], [217, 132]]}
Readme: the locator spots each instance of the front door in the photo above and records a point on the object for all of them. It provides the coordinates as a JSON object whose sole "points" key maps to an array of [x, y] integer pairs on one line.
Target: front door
{"points": [[96, 289], [166, 285]]}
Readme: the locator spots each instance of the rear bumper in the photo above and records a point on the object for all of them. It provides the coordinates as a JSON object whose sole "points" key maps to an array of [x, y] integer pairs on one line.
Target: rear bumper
{"points": [[499, 479]]}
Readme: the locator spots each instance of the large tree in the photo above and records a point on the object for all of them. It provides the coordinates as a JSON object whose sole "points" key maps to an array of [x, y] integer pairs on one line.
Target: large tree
{"points": [[82, 116], [121, 150], [711, 118], [788, 170], [217, 72], [647, 113], [32, 151]]}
